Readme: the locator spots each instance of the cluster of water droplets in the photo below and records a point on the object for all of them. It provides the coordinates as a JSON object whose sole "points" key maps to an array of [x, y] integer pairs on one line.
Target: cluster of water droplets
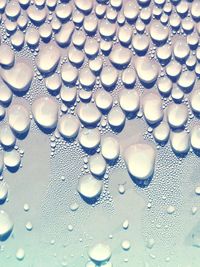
{"points": [[102, 63]]}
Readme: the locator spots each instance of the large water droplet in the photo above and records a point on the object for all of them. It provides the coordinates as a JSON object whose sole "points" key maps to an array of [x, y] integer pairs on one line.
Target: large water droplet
{"points": [[140, 160], [45, 112], [89, 187], [6, 225], [100, 253]]}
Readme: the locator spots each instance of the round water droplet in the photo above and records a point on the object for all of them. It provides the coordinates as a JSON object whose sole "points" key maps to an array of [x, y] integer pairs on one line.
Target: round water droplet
{"points": [[195, 137], [17, 40], [6, 94], [6, 225], [110, 148], [48, 58], [158, 32], [129, 77], [74, 206], [109, 76], [97, 164], [181, 49], [53, 82], [90, 24], [20, 254], [75, 56], [7, 56], [186, 79], [120, 56], [126, 244], [91, 47], [45, 31], [84, 5], [7, 137], [88, 113], [177, 115], [89, 187], [100, 253], [147, 70], [150, 243], [195, 100], [26, 207], [195, 9], [161, 132], [89, 138], [68, 94], [69, 73], [116, 117], [140, 43], [63, 11], [107, 29], [121, 189], [152, 108], [12, 9], [140, 160], [131, 10], [180, 142], [173, 69], [68, 126], [87, 78], [37, 15], [103, 100], [19, 118], [129, 100], [125, 34], [125, 224], [12, 159], [164, 85], [19, 77], [96, 65], [32, 37], [29, 226], [45, 112], [164, 52], [177, 94], [79, 39], [3, 191], [171, 209]]}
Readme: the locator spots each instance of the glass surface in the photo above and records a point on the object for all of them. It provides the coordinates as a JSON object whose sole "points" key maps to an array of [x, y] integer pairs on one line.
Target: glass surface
{"points": [[99, 133]]}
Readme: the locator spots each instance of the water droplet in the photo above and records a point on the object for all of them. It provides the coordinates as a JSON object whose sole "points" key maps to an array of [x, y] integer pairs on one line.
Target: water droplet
{"points": [[126, 245], [89, 187], [6, 225], [140, 160], [88, 113], [129, 100], [180, 142], [100, 253], [89, 138], [3, 191], [20, 254], [97, 165], [18, 77], [147, 70], [12, 159], [19, 118], [45, 112], [152, 108], [110, 148], [177, 115], [68, 126], [7, 137]]}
